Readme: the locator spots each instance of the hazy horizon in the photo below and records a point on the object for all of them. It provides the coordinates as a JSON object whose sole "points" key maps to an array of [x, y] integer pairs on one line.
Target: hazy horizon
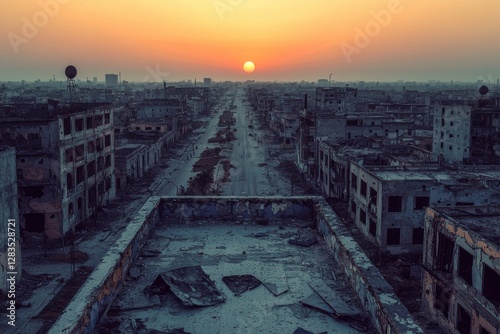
{"points": [[288, 41]]}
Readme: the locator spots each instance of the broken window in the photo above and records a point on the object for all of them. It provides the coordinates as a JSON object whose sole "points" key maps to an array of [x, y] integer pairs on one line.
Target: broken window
{"points": [[99, 120], [67, 125], [69, 155], [71, 209], [79, 124], [362, 216], [418, 236], [91, 146], [90, 122], [98, 144], [442, 300], [69, 181], [394, 204], [490, 285], [91, 168], [100, 163], [35, 222], [373, 196], [108, 160], [80, 175], [107, 118], [107, 140], [393, 236], [354, 181], [465, 265], [148, 128], [92, 196], [444, 256], [421, 202], [363, 189], [79, 152], [463, 320], [79, 204], [373, 228]]}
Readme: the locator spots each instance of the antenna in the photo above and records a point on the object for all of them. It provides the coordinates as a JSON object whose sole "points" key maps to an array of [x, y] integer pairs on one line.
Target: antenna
{"points": [[70, 73]]}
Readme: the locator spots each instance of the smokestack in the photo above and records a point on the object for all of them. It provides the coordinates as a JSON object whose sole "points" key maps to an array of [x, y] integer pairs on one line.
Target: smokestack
{"points": [[305, 101], [164, 85]]}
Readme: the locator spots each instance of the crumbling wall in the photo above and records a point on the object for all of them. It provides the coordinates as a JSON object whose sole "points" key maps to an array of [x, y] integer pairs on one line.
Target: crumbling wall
{"points": [[377, 296], [87, 307]]}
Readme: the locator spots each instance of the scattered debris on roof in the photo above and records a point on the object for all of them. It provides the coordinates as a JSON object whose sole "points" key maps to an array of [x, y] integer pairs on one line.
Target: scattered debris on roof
{"points": [[241, 283], [340, 308]]}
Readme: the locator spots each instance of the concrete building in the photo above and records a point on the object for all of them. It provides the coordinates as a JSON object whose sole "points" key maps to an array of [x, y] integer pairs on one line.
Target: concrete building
{"points": [[467, 133], [65, 163], [9, 216], [207, 82], [387, 198], [111, 79], [338, 99], [461, 268]]}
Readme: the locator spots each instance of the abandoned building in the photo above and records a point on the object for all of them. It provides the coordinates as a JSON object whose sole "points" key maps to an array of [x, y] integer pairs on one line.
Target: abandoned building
{"points": [[65, 162], [467, 133], [461, 268], [387, 203], [9, 216]]}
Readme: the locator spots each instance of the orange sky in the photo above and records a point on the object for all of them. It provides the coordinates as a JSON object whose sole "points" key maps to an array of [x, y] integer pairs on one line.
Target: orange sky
{"points": [[287, 40]]}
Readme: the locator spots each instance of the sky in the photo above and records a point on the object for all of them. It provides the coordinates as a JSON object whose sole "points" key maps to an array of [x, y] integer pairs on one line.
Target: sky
{"points": [[292, 40]]}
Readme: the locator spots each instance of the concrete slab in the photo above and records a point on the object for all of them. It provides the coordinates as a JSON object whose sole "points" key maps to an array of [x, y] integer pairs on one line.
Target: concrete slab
{"points": [[256, 310]]}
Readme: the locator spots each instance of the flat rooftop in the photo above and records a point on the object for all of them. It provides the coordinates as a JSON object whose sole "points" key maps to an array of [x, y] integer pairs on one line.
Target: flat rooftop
{"points": [[233, 249]]}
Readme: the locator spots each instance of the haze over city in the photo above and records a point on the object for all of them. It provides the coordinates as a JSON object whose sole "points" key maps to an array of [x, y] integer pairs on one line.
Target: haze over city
{"points": [[288, 41]]}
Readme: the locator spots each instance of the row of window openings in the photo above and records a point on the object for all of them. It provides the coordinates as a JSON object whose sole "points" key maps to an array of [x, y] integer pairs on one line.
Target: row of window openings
{"points": [[91, 170], [79, 151], [101, 188], [393, 234], [444, 262], [91, 122], [394, 204]]}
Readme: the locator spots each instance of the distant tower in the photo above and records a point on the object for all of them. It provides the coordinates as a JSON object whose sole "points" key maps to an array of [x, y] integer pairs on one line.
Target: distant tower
{"points": [[70, 73], [120, 77]]}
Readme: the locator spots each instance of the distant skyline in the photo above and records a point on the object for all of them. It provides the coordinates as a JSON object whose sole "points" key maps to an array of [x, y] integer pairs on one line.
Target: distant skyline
{"points": [[294, 40]]}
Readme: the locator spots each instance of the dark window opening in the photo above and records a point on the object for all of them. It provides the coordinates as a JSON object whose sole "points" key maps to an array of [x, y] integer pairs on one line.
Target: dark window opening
{"points": [[92, 196], [98, 144], [395, 204], [108, 161], [418, 236], [148, 128], [362, 216], [90, 122], [99, 120], [490, 285], [91, 168], [107, 140], [100, 163], [363, 189], [393, 236], [483, 330], [79, 152], [79, 124], [69, 181], [421, 202], [465, 261], [107, 118], [79, 203], [444, 256], [354, 181], [464, 203], [373, 228], [442, 301], [463, 320], [34, 222], [34, 191], [69, 155], [108, 183], [80, 175], [158, 128], [91, 146], [353, 207], [67, 125], [100, 188], [71, 209], [373, 196]]}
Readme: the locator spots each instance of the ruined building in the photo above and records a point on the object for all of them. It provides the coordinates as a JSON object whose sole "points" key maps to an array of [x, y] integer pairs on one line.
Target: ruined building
{"points": [[65, 162], [461, 268]]}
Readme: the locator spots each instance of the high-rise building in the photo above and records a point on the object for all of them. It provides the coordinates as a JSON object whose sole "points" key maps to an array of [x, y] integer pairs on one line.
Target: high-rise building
{"points": [[111, 79]]}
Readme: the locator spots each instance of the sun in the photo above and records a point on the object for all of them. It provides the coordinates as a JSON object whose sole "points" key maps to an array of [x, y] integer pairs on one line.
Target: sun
{"points": [[249, 67]]}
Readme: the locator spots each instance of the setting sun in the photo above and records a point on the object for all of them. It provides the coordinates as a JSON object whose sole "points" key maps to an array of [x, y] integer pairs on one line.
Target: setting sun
{"points": [[249, 67]]}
